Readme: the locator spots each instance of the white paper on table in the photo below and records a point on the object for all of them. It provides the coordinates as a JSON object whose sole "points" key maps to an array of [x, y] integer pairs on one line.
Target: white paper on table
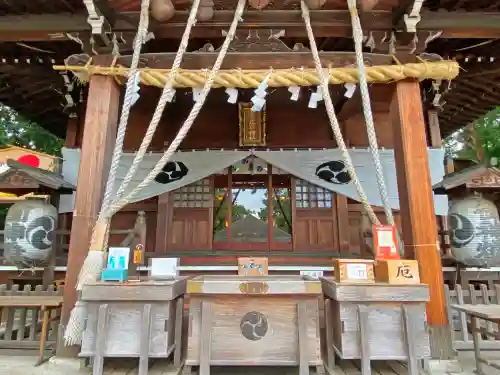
{"points": [[114, 255], [357, 271], [164, 267]]}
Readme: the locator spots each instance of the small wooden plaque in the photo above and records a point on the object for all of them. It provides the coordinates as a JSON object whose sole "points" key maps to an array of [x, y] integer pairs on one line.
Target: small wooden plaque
{"points": [[353, 270], [252, 126], [253, 266], [401, 271]]}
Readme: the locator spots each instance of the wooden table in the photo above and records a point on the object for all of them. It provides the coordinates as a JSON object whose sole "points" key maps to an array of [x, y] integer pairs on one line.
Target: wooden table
{"points": [[377, 321], [46, 304], [490, 313], [140, 319], [253, 321]]}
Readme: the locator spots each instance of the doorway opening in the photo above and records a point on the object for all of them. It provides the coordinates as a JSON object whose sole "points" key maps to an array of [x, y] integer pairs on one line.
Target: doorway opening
{"points": [[252, 210]]}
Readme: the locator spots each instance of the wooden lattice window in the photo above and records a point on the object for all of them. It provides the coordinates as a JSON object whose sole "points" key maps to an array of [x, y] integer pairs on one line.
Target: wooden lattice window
{"points": [[308, 195], [197, 194]]}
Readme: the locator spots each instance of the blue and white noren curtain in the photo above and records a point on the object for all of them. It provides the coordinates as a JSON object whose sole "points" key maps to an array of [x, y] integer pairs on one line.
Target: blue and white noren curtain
{"points": [[324, 168]]}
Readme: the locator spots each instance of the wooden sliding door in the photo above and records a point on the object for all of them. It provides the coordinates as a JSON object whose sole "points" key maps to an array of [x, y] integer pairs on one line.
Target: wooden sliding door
{"points": [[190, 224], [315, 218]]}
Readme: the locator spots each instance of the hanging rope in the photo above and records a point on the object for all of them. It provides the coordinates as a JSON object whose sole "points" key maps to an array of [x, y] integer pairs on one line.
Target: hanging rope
{"points": [[367, 109], [116, 206], [333, 118], [95, 259], [437, 70], [166, 94], [140, 38]]}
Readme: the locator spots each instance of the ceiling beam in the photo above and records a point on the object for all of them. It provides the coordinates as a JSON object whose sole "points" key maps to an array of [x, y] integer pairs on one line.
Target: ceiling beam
{"points": [[326, 23], [242, 60]]}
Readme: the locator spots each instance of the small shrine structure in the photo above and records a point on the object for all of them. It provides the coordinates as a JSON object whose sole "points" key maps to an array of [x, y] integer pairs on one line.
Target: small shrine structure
{"points": [[278, 95]]}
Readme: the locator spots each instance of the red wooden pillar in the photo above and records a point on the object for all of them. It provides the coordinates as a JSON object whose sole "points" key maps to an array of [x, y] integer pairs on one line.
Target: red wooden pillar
{"points": [[417, 207], [99, 136]]}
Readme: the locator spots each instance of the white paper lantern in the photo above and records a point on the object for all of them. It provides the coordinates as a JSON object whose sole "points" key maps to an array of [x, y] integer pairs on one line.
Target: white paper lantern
{"points": [[30, 229], [475, 232]]}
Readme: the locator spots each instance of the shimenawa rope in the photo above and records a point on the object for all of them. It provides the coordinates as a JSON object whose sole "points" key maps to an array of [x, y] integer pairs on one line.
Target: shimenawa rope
{"points": [[235, 78]]}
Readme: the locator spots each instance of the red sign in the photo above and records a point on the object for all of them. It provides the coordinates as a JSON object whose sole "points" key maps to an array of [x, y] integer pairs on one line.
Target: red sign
{"points": [[385, 242], [29, 159]]}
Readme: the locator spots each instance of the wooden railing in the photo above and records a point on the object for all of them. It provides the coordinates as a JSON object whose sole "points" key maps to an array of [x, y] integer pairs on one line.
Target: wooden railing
{"points": [[20, 327], [460, 325]]}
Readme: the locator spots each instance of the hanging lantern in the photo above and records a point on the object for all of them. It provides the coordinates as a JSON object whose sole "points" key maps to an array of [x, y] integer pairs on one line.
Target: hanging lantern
{"points": [[475, 232], [258, 4], [315, 4], [205, 10], [30, 228], [162, 10]]}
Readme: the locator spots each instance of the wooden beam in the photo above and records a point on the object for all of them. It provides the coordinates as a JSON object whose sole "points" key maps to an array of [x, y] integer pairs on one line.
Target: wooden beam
{"points": [[417, 207], [162, 223], [434, 130], [72, 133], [55, 26], [246, 60], [97, 146], [343, 223], [270, 212], [461, 24], [326, 23]]}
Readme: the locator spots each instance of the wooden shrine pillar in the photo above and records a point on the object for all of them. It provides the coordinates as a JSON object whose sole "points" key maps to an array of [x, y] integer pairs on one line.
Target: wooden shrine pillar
{"points": [[99, 134], [417, 207]]}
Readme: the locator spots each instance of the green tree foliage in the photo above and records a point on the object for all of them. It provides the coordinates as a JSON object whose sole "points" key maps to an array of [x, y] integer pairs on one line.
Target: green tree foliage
{"points": [[282, 210], [481, 137], [16, 130]]}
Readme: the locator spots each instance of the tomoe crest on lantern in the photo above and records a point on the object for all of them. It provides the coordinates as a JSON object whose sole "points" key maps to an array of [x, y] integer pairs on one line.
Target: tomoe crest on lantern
{"points": [[30, 228], [475, 232]]}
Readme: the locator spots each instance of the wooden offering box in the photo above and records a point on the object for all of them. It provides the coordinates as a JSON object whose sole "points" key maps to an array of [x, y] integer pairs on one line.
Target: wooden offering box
{"points": [[376, 322], [400, 271], [253, 321], [353, 270], [135, 319]]}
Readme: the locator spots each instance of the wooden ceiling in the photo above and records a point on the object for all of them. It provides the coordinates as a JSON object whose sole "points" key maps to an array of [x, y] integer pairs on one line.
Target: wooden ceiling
{"points": [[35, 35]]}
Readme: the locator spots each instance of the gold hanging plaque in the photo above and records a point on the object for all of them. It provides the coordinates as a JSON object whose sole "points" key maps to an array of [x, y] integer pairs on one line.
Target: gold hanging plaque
{"points": [[252, 126]]}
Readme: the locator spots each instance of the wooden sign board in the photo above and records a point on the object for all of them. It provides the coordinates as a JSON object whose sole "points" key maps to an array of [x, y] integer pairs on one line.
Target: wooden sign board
{"points": [[402, 271], [385, 242], [30, 157], [12, 179], [252, 126], [353, 271], [489, 179], [253, 266]]}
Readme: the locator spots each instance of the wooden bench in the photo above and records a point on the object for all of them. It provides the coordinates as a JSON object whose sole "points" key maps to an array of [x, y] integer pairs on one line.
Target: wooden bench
{"points": [[489, 313], [46, 305]]}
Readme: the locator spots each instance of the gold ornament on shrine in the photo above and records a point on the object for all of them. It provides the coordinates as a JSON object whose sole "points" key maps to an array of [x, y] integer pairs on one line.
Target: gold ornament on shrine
{"points": [[252, 126]]}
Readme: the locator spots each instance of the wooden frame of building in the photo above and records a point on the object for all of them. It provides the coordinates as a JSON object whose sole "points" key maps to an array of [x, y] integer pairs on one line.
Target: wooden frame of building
{"points": [[410, 116]]}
